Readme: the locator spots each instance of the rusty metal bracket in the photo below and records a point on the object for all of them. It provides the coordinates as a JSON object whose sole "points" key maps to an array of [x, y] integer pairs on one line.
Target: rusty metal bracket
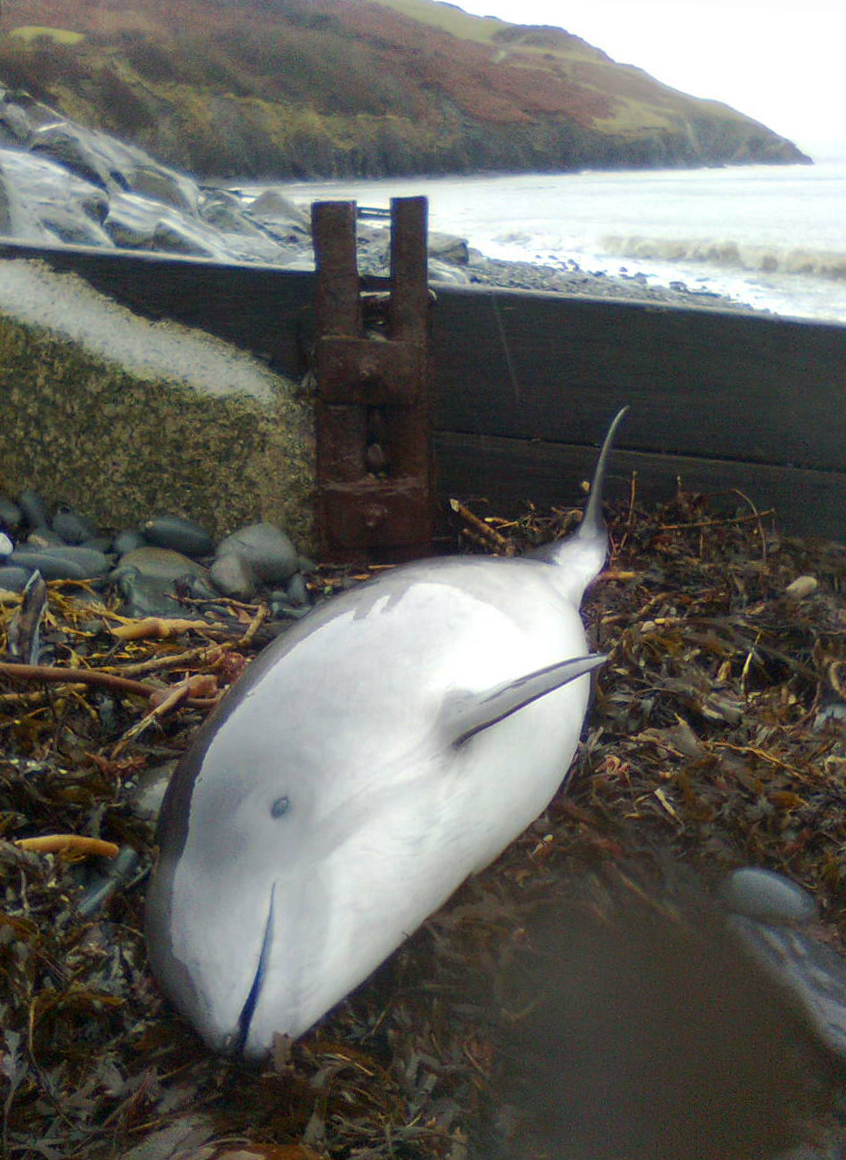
{"points": [[374, 407]]}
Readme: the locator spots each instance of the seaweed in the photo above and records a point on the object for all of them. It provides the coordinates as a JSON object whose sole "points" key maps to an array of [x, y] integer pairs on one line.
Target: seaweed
{"points": [[716, 739]]}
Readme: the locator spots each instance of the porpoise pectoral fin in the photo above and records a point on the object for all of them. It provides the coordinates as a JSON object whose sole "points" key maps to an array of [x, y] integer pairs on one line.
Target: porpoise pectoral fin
{"points": [[468, 714]]}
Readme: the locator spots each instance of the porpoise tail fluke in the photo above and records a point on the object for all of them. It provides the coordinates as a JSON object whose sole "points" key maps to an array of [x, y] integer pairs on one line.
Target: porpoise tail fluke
{"points": [[580, 556]]}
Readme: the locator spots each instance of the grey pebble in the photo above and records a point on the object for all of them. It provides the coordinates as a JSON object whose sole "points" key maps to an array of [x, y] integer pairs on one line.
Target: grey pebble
{"points": [[32, 507], [180, 534], [13, 579], [62, 563], [98, 544], [73, 528], [297, 591], [44, 537], [161, 563], [267, 550], [6, 545], [128, 541], [146, 595], [11, 515], [767, 897], [234, 577], [145, 799]]}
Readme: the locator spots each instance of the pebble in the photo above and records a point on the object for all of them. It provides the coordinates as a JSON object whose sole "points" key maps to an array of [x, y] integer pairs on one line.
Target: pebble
{"points": [[161, 563], [63, 563], [128, 541], [179, 534], [267, 550], [801, 587], [157, 564], [234, 577], [146, 595], [32, 507], [297, 591], [44, 537], [72, 528], [13, 579], [767, 897], [11, 515]]}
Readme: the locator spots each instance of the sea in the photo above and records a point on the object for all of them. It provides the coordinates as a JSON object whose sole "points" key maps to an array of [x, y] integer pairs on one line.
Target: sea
{"points": [[773, 237]]}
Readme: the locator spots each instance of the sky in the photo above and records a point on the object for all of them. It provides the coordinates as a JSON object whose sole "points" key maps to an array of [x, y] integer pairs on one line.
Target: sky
{"points": [[777, 61]]}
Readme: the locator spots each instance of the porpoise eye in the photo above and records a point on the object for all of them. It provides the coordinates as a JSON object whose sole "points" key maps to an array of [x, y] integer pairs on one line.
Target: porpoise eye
{"points": [[280, 807]]}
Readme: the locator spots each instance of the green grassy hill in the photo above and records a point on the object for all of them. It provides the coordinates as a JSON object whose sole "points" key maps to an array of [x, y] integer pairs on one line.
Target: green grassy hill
{"points": [[299, 88]]}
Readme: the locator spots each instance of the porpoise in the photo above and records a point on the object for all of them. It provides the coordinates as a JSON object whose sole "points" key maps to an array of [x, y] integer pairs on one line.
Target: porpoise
{"points": [[392, 743]]}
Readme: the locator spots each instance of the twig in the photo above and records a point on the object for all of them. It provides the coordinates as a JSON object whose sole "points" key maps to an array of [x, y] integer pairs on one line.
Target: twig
{"points": [[190, 690], [202, 654], [718, 523], [481, 528], [757, 515], [75, 676], [255, 625]]}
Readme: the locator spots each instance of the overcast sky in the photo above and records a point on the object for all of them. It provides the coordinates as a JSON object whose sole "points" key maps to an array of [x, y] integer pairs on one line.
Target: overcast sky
{"points": [[779, 61]]}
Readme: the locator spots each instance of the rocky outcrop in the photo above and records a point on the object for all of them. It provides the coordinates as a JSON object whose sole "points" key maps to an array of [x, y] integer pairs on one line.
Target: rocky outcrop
{"points": [[352, 87], [62, 182]]}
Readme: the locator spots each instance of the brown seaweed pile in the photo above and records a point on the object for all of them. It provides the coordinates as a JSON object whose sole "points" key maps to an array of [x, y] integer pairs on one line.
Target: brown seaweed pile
{"points": [[716, 739]]}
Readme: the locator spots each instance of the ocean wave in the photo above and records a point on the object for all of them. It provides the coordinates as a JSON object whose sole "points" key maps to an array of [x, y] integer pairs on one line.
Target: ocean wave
{"points": [[769, 259]]}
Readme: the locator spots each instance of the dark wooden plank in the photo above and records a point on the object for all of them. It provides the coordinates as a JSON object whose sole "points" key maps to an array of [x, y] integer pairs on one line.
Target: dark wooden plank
{"points": [[511, 472], [700, 382]]}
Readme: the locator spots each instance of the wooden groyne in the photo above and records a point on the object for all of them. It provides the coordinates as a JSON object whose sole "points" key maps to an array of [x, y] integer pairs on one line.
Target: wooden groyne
{"points": [[526, 382]]}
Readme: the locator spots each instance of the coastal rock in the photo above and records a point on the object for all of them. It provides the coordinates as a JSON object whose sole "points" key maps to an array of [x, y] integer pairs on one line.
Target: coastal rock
{"points": [[234, 577], [31, 505], [62, 563], [161, 564], [449, 248], [11, 515], [267, 550], [151, 580], [179, 534], [60, 181], [72, 527], [13, 579]]}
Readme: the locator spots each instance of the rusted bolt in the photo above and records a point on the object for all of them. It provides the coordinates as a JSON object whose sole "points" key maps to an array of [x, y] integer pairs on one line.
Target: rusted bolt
{"points": [[374, 515]]}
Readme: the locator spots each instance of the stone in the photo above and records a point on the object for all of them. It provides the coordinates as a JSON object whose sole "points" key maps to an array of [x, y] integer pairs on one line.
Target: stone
{"points": [[177, 533], [767, 897], [267, 550], [13, 579], [73, 528], [11, 515], [234, 577], [161, 564], [32, 507]]}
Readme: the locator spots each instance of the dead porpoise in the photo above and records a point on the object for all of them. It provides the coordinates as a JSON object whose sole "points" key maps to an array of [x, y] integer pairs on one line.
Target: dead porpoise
{"points": [[388, 746]]}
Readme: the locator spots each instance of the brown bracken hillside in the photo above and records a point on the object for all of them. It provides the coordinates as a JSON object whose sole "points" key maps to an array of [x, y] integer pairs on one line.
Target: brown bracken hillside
{"points": [[300, 88]]}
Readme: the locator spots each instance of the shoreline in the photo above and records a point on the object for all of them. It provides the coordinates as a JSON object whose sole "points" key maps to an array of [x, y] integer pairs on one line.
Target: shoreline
{"points": [[575, 281]]}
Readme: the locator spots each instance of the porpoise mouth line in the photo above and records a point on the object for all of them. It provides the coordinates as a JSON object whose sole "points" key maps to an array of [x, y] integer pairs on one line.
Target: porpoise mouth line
{"points": [[248, 1010]]}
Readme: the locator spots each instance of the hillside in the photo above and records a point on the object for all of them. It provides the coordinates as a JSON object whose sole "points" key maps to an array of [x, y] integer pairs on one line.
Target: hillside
{"points": [[302, 88]]}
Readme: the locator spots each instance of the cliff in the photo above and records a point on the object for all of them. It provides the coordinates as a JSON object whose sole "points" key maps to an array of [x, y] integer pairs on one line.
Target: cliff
{"points": [[304, 88]]}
